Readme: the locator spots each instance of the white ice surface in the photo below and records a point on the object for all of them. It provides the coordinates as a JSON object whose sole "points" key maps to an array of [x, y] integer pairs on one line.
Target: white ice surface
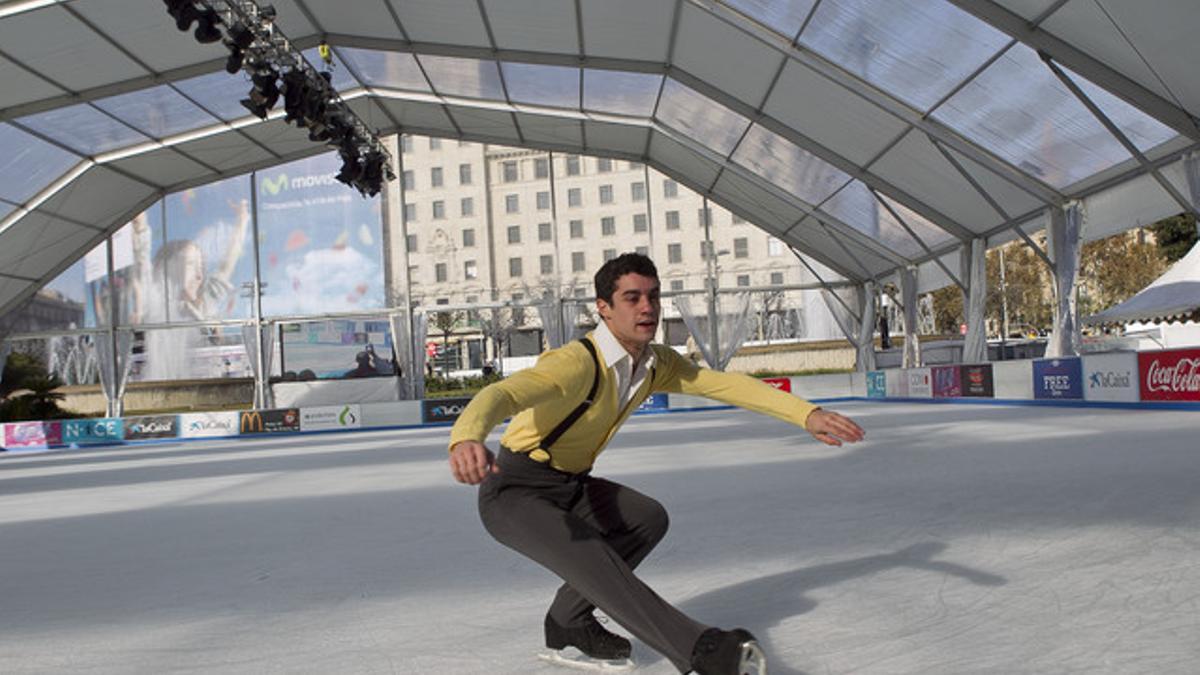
{"points": [[955, 539]]}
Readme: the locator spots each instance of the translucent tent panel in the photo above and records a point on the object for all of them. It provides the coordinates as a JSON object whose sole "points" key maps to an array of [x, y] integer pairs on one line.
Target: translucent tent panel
{"points": [[613, 91], [84, 129], [931, 234], [1018, 109], [376, 68], [533, 25], [857, 207], [220, 93], [1143, 131], [782, 16], [6, 208], [700, 118], [445, 22], [742, 68], [342, 79], [788, 166], [556, 86], [28, 164], [917, 50], [157, 112], [463, 77]]}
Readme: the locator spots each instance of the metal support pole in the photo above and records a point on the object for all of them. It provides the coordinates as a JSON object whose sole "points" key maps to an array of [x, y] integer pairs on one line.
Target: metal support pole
{"points": [[261, 377]]}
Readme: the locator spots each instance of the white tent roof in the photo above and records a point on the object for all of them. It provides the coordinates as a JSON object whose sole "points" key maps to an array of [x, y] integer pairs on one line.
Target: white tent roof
{"points": [[869, 134], [1175, 296]]}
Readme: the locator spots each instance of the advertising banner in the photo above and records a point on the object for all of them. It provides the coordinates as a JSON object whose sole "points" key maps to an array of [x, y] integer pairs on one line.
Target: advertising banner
{"points": [[269, 421], [876, 384], [32, 435], [330, 417], [920, 383], [208, 424], [780, 383], [653, 402], [443, 409], [151, 426], [103, 430], [1110, 377], [1170, 376], [977, 381], [1058, 378], [947, 382]]}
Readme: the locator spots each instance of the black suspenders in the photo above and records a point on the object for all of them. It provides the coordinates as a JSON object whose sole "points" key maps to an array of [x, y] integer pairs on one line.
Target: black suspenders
{"points": [[581, 408]]}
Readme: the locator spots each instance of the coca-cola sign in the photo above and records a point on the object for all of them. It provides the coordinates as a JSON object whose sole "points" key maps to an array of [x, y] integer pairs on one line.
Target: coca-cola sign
{"points": [[1170, 376]]}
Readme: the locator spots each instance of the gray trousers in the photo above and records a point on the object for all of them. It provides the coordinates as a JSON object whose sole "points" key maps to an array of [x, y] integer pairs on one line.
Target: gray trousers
{"points": [[591, 533]]}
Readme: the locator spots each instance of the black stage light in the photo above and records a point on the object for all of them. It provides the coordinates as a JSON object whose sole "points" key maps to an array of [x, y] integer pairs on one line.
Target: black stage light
{"points": [[235, 60], [240, 35], [206, 27], [183, 11], [295, 88], [263, 95]]}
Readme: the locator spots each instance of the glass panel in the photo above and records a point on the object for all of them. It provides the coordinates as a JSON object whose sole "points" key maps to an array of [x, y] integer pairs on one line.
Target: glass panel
{"points": [[219, 93], [337, 349], [321, 245], [188, 353], [62, 304], [857, 207], [464, 77], [622, 93], [201, 270], [788, 166], [1144, 131], [931, 234], [1018, 109], [84, 129], [28, 164], [700, 118], [157, 112], [783, 16], [134, 249], [342, 79], [6, 208], [916, 50], [385, 69], [542, 85]]}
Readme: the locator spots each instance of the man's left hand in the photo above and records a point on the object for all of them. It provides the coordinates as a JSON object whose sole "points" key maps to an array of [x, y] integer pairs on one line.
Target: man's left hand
{"points": [[832, 429]]}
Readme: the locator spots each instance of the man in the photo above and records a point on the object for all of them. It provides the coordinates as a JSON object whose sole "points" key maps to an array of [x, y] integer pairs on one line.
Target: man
{"points": [[538, 495]]}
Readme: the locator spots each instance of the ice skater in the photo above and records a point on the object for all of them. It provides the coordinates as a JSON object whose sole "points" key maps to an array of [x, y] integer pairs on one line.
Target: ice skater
{"points": [[539, 498]]}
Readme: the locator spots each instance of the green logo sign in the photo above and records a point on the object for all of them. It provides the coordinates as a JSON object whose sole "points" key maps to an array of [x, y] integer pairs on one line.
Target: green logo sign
{"points": [[274, 187], [347, 417]]}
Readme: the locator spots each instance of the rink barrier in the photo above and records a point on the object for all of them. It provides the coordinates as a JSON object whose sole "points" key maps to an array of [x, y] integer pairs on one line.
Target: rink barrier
{"points": [[1158, 380]]}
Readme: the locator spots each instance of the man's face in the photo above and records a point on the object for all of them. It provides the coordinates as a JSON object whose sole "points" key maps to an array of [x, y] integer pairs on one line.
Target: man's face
{"points": [[633, 315]]}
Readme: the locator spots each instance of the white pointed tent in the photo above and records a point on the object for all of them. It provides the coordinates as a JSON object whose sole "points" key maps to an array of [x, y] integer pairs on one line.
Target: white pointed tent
{"points": [[1175, 296]]}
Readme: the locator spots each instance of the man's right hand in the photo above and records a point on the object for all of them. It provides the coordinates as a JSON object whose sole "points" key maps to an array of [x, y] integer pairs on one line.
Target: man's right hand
{"points": [[471, 462]]}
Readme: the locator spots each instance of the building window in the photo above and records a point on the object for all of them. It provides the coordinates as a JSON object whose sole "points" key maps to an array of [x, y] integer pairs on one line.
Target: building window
{"points": [[410, 181], [544, 233], [743, 280], [677, 285], [468, 238], [435, 177], [541, 168], [543, 201], [774, 247], [439, 272], [439, 210], [578, 264], [609, 254], [410, 212], [464, 174], [442, 301], [575, 197], [608, 226], [435, 144], [514, 267], [703, 215], [604, 165], [470, 270], [509, 171], [406, 143], [512, 203], [642, 250], [674, 253], [467, 206], [672, 220], [741, 247], [776, 278], [411, 243], [639, 222], [705, 249], [514, 234], [577, 229], [670, 188], [638, 191], [580, 292], [572, 165], [546, 263], [606, 194]]}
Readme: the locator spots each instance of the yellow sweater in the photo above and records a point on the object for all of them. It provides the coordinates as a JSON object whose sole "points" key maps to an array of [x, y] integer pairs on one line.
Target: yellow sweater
{"points": [[542, 396]]}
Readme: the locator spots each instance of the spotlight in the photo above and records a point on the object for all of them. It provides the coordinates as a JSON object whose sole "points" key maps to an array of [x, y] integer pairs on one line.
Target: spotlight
{"points": [[240, 35], [263, 95], [235, 60], [206, 27], [183, 11]]}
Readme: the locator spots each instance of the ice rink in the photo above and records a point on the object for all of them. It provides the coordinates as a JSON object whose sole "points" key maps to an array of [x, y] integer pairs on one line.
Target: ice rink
{"points": [[955, 539]]}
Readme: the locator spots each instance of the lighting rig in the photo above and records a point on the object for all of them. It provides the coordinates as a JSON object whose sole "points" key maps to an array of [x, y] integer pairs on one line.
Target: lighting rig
{"points": [[277, 70]]}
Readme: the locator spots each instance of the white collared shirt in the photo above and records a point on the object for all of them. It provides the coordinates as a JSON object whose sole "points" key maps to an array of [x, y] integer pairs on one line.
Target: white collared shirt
{"points": [[629, 377]]}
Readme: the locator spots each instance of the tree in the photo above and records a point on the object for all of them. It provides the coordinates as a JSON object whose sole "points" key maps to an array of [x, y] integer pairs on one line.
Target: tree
{"points": [[1113, 269], [446, 322], [1175, 235]]}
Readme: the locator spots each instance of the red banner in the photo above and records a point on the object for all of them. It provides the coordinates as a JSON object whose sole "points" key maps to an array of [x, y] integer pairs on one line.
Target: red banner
{"points": [[780, 383], [1170, 376]]}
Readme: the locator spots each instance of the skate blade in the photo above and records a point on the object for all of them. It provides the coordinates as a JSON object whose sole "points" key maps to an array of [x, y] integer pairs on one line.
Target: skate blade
{"points": [[753, 661], [573, 658]]}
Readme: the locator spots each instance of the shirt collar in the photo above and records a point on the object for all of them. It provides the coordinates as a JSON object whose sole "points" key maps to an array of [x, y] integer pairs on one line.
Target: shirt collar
{"points": [[613, 352]]}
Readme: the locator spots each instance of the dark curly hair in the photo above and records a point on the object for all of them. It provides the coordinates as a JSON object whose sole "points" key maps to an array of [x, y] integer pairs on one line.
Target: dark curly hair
{"points": [[606, 278]]}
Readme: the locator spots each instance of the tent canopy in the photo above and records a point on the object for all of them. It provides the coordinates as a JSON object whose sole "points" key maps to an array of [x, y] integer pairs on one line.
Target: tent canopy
{"points": [[1175, 296], [868, 134]]}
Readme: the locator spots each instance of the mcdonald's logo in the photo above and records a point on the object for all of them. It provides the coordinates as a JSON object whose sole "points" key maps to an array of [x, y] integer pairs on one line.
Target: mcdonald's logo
{"points": [[251, 422]]}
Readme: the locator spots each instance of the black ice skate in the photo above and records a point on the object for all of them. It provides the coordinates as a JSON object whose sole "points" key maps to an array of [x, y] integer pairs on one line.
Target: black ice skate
{"points": [[728, 652], [588, 647]]}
